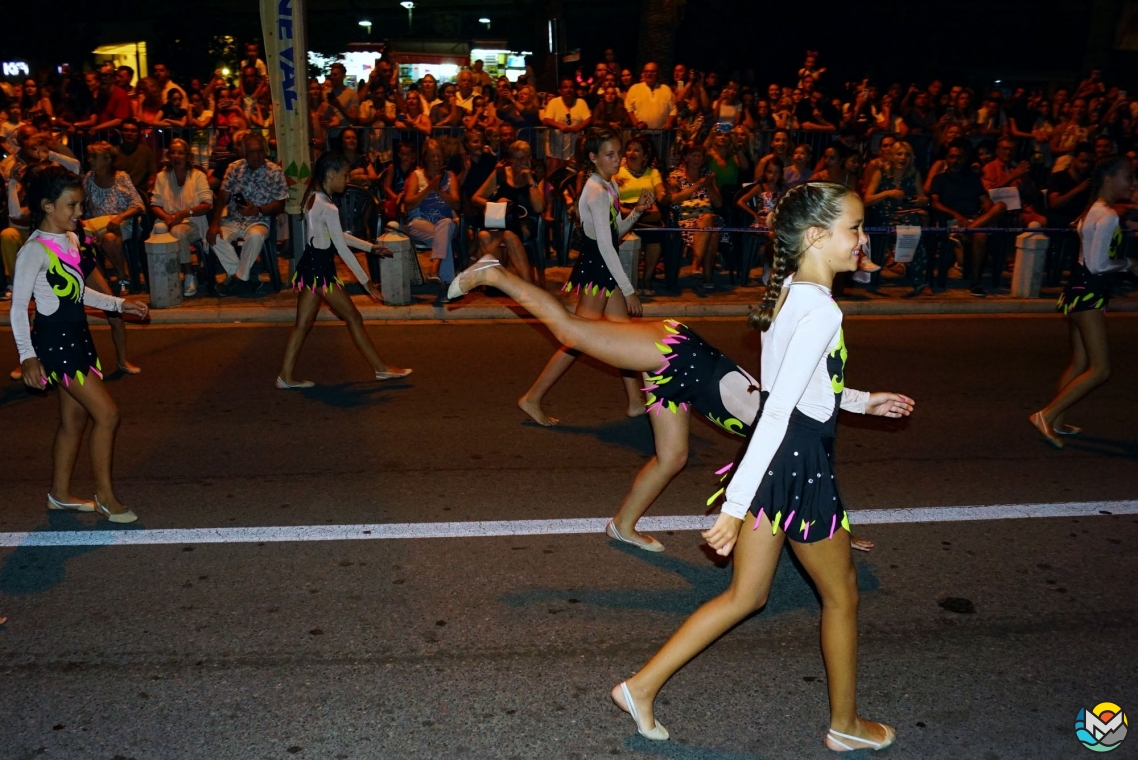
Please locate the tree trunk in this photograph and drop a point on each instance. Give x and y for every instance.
(659, 20)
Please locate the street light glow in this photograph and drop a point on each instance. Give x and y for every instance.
(483, 20)
(365, 23)
(407, 4)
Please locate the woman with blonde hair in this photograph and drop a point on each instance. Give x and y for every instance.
(514, 182)
(182, 200)
(898, 194)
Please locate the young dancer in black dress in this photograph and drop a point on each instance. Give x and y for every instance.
(1087, 295)
(315, 278)
(58, 348)
(784, 483)
(604, 291)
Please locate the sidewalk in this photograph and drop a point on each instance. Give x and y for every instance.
(725, 301)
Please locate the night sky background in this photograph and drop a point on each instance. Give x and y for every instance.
(969, 41)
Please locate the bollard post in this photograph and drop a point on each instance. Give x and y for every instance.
(1031, 254)
(162, 259)
(395, 272)
(630, 256)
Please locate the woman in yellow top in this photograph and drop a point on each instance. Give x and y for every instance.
(636, 174)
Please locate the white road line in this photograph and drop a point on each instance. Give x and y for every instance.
(104, 536)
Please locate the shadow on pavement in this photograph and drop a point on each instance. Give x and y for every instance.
(635, 433)
(33, 569)
(1105, 447)
(790, 590)
(17, 392)
(352, 395)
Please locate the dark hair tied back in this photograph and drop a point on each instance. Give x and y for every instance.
(45, 185)
(814, 204)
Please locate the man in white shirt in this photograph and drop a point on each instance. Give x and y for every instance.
(651, 104)
(565, 116)
(465, 95)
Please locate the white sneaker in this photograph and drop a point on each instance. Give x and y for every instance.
(190, 286)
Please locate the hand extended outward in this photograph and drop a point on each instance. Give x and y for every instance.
(136, 308)
(723, 534)
(373, 291)
(647, 198)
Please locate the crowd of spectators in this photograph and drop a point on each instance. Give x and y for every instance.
(716, 150)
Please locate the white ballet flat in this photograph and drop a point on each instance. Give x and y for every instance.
(76, 506)
(657, 733)
(455, 290)
(649, 544)
(118, 517)
(393, 375)
(872, 746)
(290, 386)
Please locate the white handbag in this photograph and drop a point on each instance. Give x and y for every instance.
(496, 215)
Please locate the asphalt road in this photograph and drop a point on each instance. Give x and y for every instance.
(506, 647)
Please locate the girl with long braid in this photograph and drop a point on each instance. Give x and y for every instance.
(605, 292)
(58, 348)
(785, 481)
(316, 279)
(1087, 295)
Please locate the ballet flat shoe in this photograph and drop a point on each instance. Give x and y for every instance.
(119, 517)
(835, 738)
(393, 375)
(76, 506)
(657, 733)
(455, 290)
(284, 386)
(649, 544)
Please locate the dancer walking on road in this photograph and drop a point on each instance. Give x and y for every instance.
(315, 278)
(785, 481)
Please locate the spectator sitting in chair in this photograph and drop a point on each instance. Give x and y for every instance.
(958, 195)
(513, 181)
(1002, 171)
(182, 199)
(431, 198)
(254, 191)
(361, 171)
(136, 158)
(111, 201)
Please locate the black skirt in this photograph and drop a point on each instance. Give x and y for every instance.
(66, 351)
(591, 273)
(692, 374)
(316, 270)
(1085, 291)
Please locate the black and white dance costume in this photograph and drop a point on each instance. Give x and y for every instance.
(316, 269)
(698, 375)
(1100, 260)
(598, 267)
(787, 470)
(50, 269)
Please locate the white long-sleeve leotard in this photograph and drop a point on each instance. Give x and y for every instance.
(805, 331)
(595, 207)
(1100, 239)
(30, 281)
(324, 229)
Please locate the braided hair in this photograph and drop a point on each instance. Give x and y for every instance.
(814, 204)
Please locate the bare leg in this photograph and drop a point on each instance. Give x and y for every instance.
(112, 247)
(68, 438)
(756, 557)
(93, 396)
(710, 248)
(616, 310)
(624, 345)
(518, 258)
(671, 433)
(651, 260)
(1091, 325)
(1077, 366)
(307, 306)
(831, 568)
(343, 308)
